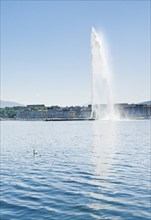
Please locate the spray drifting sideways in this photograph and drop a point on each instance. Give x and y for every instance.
(102, 94)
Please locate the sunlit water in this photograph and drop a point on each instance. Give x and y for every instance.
(83, 170)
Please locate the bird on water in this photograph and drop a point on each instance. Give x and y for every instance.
(35, 152)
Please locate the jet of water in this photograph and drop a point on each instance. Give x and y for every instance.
(102, 94)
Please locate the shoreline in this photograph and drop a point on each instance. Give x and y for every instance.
(67, 119)
(47, 119)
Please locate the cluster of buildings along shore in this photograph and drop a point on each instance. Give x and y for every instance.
(42, 112)
(55, 112)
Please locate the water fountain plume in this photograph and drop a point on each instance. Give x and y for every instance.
(102, 94)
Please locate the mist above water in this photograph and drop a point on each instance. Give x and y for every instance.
(102, 94)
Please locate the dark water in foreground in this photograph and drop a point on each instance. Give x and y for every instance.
(83, 170)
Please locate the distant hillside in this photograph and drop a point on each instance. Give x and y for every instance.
(146, 103)
(4, 104)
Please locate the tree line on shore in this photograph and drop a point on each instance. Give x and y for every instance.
(12, 112)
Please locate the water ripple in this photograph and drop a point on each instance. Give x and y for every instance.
(75, 177)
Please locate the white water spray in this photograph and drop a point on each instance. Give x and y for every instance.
(102, 94)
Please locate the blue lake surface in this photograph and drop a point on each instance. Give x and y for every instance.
(83, 170)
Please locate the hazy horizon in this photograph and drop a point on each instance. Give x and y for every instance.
(5, 103)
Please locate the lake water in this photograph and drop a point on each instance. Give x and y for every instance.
(84, 170)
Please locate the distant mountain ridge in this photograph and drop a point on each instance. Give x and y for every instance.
(4, 104)
(146, 103)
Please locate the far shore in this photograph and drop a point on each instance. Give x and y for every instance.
(47, 119)
(66, 119)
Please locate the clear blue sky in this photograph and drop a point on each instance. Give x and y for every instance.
(45, 50)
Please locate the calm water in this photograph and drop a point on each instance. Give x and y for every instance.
(83, 170)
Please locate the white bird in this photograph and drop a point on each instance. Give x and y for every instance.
(35, 152)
